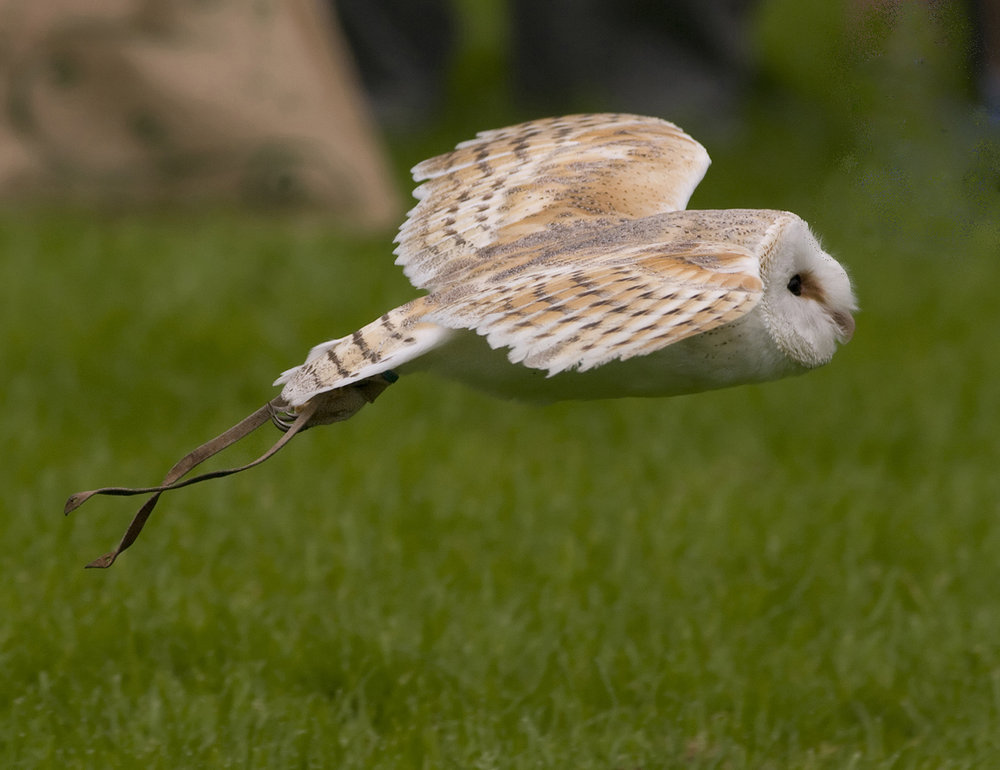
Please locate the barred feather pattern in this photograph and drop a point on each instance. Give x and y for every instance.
(394, 338)
(512, 182)
(616, 292)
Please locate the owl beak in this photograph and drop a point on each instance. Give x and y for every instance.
(845, 326)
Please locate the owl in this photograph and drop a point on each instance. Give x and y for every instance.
(558, 261)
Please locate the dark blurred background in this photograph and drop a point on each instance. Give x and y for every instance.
(684, 58)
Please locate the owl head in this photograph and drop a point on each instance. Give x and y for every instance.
(808, 301)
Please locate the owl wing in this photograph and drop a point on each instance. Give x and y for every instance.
(571, 297)
(512, 182)
(610, 295)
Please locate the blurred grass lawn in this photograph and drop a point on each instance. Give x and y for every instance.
(802, 574)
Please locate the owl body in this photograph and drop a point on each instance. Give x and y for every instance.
(737, 354)
(742, 351)
(560, 263)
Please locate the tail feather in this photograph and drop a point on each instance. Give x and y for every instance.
(393, 339)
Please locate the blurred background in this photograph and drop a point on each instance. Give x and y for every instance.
(313, 103)
(194, 192)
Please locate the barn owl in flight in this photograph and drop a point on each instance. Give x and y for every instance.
(559, 262)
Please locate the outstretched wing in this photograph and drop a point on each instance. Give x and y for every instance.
(615, 293)
(512, 182)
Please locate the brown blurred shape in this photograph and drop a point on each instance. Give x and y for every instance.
(156, 101)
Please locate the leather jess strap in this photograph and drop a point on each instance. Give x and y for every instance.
(324, 408)
(271, 411)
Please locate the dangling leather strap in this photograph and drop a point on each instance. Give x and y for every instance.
(271, 411)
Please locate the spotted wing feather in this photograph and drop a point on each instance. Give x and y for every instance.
(509, 183)
(608, 299)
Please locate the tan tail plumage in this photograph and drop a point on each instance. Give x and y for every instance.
(399, 336)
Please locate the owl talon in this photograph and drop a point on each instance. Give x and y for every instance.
(283, 418)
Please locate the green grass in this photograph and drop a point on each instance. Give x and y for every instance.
(801, 574)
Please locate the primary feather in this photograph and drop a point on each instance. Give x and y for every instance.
(509, 183)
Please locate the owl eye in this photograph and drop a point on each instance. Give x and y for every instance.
(795, 285)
